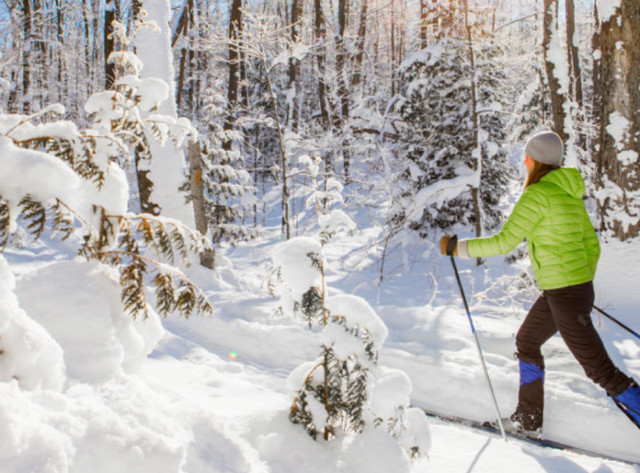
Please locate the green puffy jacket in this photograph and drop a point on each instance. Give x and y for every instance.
(551, 215)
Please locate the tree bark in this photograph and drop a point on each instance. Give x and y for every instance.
(343, 93)
(424, 9)
(207, 259)
(550, 27)
(393, 48)
(235, 33)
(360, 42)
(109, 44)
(573, 55)
(321, 36)
(617, 82)
(26, 56)
(60, 46)
(286, 213)
(294, 64)
(575, 72)
(184, 25)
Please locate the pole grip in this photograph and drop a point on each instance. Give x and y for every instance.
(451, 246)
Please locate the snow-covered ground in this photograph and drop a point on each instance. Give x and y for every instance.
(98, 392)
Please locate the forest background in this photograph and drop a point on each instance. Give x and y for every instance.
(414, 93)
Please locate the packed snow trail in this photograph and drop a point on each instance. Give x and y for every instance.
(492, 430)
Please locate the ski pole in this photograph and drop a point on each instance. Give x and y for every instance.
(613, 319)
(450, 247)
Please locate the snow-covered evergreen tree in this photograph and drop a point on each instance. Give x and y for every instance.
(58, 177)
(344, 391)
(229, 187)
(439, 132)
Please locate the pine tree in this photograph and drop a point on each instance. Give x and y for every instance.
(229, 188)
(142, 248)
(438, 129)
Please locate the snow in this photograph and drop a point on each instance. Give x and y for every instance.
(606, 9)
(97, 391)
(31, 355)
(42, 176)
(619, 128)
(297, 269)
(95, 347)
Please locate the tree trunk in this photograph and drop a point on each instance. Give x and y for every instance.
(168, 164)
(596, 99)
(475, 190)
(617, 78)
(109, 44)
(184, 24)
(573, 55)
(343, 92)
(235, 33)
(60, 46)
(321, 36)
(294, 64)
(575, 72)
(362, 36)
(207, 259)
(393, 48)
(423, 23)
(286, 213)
(26, 56)
(550, 28)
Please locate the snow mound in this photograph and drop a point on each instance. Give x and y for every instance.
(29, 353)
(98, 339)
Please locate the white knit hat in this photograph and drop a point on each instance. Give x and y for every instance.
(545, 147)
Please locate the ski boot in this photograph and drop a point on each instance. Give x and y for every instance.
(629, 402)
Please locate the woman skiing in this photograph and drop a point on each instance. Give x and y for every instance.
(563, 250)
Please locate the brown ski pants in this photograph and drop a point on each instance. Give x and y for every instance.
(566, 310)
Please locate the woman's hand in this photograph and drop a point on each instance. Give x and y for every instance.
(449, 245)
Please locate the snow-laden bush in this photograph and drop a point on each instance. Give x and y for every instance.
(344, 391)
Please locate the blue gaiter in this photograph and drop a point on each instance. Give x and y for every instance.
(530, 372)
